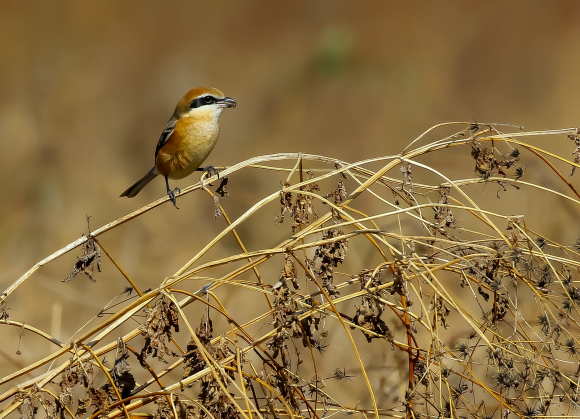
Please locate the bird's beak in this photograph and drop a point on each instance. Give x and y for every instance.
(226, 102)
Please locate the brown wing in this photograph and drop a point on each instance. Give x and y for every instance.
(169, 128)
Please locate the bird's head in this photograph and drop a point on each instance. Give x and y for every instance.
(203, 101)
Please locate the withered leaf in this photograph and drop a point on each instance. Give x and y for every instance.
(157, 330)
(369, 317)
(484, 294)
(193, 359)
(285, 204)
(164, 410)
(83, 406)
(29, 406)
(407, 177)
(217, 210)
(284, 384)
(221, 189)
(576, 153)
(289, 272)
(443, 214)
(442, 311)
(216, 402)
(70, 379)
(339, 194)
(185, 410)
(4, 312)
(485, 160)
(331, 254)
(85, 263)
(126, 384)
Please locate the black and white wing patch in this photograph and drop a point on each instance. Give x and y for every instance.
(165, 135)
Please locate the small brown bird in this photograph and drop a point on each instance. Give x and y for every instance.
(189, 136)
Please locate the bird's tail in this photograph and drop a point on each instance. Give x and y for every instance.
(140, 184)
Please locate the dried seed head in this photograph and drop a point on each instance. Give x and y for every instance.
(463, 350)
(340, 375)
(544, 322)
(570, 347)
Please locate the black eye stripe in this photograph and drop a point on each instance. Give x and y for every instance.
(201, 101)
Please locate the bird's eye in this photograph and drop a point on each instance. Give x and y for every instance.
(201, 101)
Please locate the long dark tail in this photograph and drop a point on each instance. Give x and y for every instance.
(140, 184)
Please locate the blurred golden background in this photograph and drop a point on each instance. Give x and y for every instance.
(87, 87)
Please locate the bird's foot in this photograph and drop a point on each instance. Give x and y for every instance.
(172, 197)
(209, 170)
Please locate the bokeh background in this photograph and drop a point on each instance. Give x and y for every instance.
(87, 87)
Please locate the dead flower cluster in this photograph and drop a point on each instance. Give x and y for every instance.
(330, 255)
(157, 330)
(482, 324)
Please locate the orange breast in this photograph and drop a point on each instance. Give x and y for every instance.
(187, 147)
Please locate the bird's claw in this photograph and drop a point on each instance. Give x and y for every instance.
(210, 169)
(172, 197)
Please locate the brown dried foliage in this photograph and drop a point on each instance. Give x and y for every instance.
(444, 215)
(368, 314)
(301, 209)
(85, 263)
(215, 401)
(486, 162)
(331, 254)
(193, 359)
(289, 272)
(157, 330)
(482, 321)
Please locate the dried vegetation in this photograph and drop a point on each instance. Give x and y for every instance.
(484, 309)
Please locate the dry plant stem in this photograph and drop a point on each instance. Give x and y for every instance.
(170, 397)
(284, 247)
(108, 325)
(116, 319)
(217, 309)
(313, 366)
(448, 298)
(537, 153)
(239, 371)
(155, 377)
(109, 378)
(149, 397)
(473, 204)
(56, 398)
(237, 237)
(112, 345)
(544, 256)
(34, 330)
(339, 316)
(274, 157)
(29, 368)
(212, 363)
(445, 257)
(407, 324)
(133, 285)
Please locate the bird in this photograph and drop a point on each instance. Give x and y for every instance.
(189, 136)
